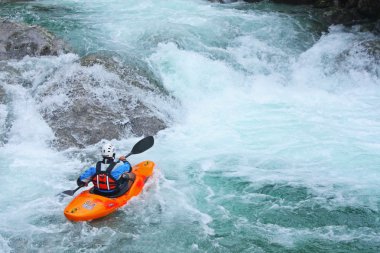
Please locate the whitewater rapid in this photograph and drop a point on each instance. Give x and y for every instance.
(274, 144)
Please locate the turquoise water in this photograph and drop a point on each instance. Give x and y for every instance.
(274, 146)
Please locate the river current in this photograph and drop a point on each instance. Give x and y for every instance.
(274, 145)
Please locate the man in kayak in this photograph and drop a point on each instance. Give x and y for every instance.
(108, 176)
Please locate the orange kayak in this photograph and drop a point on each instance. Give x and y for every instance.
(88, 206)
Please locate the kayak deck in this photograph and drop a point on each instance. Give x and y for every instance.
(88, 206)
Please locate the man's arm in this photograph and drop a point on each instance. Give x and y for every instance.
(86, 176)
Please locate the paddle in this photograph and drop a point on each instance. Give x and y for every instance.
(141, 146)
(71, 192)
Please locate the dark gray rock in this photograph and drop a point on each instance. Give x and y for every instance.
(133, 72)
(323, 3)
(342, 16)
(376, 29)
(369, 8)
(97, 107)
(368, 50)
(18, 40)
(372, 48)
(103, 98)
(294, 1)
(223, 1)
(348, 3)
(346, 12)
(232, 1)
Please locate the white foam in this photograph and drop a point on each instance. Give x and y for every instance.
(254, 106)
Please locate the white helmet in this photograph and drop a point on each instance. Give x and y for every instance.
(108, 150)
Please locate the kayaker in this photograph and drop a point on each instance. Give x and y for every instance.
(108, 176)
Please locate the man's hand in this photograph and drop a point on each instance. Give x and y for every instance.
(81, 183)
(122, 158)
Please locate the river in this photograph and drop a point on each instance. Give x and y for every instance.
(273, 147)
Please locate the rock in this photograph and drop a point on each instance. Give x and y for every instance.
(232, 1)
(294, 1)
(348, 3)
(368, 50)
(133, 72)
(336, 16)
(346, 12)
(376, 29)
(372, 48)
(323, 3)
(369, 8)
(18, 40)
(99, 104)
(101, 97)
(223, 1)
(110, 105)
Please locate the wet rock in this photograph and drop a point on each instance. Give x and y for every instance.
(133, 72)
(323, 3)
(101, 98)
(232, 1)
(368, 50)
(336, 16)
(223, 1)
(294, 1)
(347, 3)
(99, 104)
(369, 8)
(18, 40)
(343, 11)
(372, 48)
(377, 27)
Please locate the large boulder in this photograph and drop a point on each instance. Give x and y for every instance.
(134, 71)
(102, 100)
(86, 100)
(18, 40)
(368, 50)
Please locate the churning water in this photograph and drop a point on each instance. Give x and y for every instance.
(274, 146)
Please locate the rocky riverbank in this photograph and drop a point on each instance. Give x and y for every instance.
(86, 116)
(346, 12)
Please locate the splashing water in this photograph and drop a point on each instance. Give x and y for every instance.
(275, 147)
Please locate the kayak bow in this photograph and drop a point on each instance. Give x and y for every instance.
(88, 206)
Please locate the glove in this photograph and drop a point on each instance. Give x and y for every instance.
(81, 183)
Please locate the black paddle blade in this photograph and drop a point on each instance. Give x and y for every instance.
(64, 194)
(68, 192)
(142, 145)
